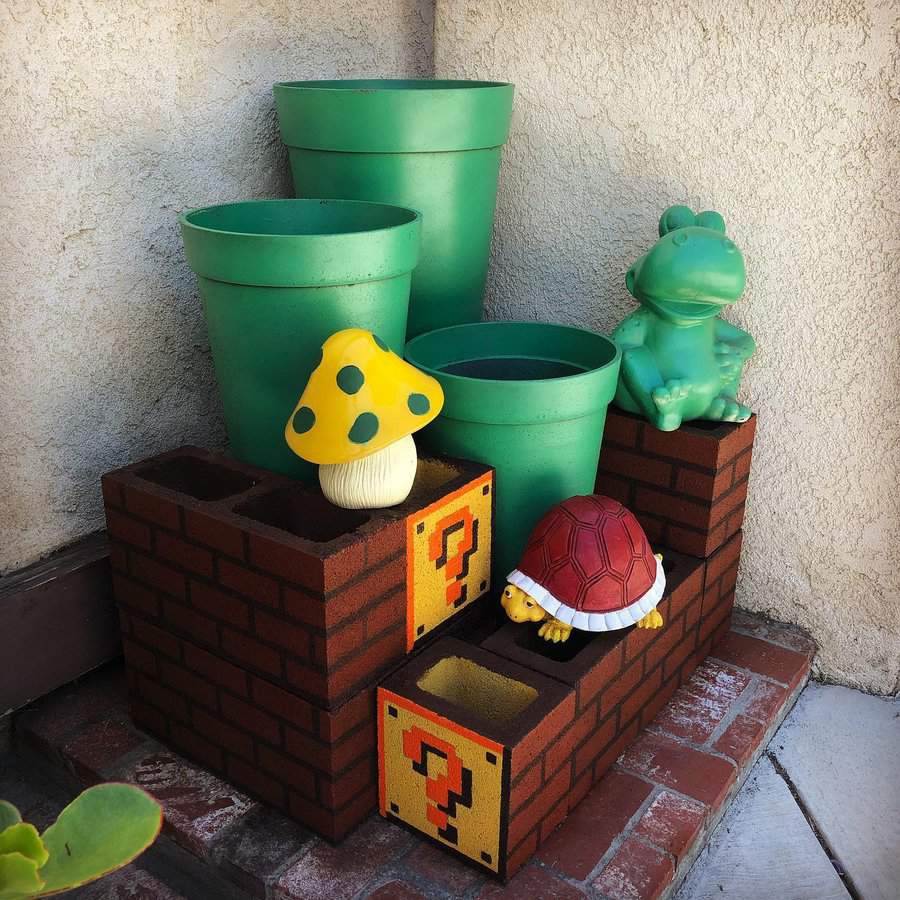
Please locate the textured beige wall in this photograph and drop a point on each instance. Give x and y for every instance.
(116, 116)
(785, 118)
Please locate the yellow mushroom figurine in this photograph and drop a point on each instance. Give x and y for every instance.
(356, 418)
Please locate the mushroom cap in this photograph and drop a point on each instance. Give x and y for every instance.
(360, 398)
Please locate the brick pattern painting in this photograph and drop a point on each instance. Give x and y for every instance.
(687, 487)
(277, 581)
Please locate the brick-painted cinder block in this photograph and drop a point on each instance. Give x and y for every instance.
(687, 487)
(718, 590)
(467, 753)
(263, 572)
(316, 765)
(620, 678)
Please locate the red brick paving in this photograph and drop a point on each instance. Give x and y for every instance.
(701, 776)
(765, 699)
(671, 822)
(636, 871)
(534, 883)
(633, 834)
(696, 709)
(396, 890)
(339, 873)
(198, 805)
(760, 656)
(577, 847)
(741, 738)
(431, 863)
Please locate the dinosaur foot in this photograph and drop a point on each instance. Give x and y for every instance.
(724, 409)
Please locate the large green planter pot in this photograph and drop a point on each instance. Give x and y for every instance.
(529, 399)
(430, 145)
(277, 277)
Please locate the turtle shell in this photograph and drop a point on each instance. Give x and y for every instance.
(589, 564)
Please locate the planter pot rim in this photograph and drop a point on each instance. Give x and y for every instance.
(406, 215)
(370, 85)
(417, 115)
(526, 400)
(342, 242)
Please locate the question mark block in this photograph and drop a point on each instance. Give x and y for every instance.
(448, 555)
(462, 733)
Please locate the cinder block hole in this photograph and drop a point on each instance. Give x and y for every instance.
(302, 512)
(198, 478)
(431, 476)
(513, 368)
(529, 639)
(479, 691)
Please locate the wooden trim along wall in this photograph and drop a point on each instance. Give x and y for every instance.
(57, 621)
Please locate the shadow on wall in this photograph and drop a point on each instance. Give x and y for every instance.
(565, 260)
(129, 116)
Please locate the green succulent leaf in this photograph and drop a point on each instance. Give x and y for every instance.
(101, 830)
(9, 815)
(18, 877)
(23, 838)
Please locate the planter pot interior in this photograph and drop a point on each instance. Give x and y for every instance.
(529, 399)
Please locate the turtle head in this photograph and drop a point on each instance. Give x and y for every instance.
(521, 607)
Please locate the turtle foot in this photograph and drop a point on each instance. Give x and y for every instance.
(652, 620)
(555, 631)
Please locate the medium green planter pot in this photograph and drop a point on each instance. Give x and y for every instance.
(277, 277)
(529, 399)
(430, 145)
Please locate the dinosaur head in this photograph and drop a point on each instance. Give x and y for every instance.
(692, 271)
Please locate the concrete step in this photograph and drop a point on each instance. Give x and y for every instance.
(636, 833)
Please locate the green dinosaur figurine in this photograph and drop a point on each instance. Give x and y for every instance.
(680, 361)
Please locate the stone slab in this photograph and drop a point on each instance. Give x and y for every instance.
(763, 847)
(839, 748)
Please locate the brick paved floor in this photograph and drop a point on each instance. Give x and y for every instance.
(635, 835)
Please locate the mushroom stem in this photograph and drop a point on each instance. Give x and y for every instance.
(381, 479)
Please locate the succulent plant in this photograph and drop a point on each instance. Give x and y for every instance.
(101, 830)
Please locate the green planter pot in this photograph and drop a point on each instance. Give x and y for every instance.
(529, 399)
(430, 145)
(277, 277)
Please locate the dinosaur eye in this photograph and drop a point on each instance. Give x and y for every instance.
(529, 604)
(507, 593)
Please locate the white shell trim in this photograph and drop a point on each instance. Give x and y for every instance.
(611, 621)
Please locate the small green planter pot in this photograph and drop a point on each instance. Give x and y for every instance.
(529, 399)
(278, 277)
(430, 145)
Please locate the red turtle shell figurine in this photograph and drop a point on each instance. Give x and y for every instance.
(587, 565)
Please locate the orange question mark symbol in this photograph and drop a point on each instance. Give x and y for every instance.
(444, 791)
(455, 564)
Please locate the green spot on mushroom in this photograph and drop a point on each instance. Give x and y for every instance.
(418, 404)
(350, 379)
(364, 428)
(304, 419)
(380, 342)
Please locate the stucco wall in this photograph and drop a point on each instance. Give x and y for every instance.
(785, 118)
(118, 115)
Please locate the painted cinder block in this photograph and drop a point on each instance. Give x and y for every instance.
(458, 728)
(263, 572)
(316, 765)
(718, 590)
(620, 677)
(687, 487)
